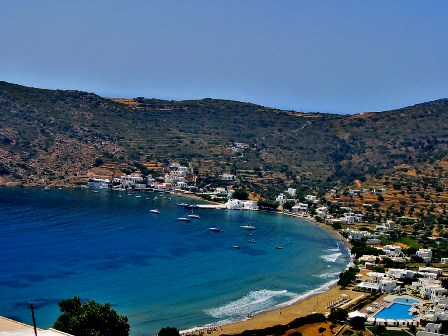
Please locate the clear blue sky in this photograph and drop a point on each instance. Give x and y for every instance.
(326, 56)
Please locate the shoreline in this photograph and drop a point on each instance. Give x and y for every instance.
(315, 300)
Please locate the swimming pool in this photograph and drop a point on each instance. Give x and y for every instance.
(396, 311)
(406, 301)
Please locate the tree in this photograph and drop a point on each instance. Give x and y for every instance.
(288, 205)
(357, 323)
(90, 319)
(168, 331)
(240, 194)
(337, 315)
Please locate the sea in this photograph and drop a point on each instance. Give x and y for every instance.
(107, 246)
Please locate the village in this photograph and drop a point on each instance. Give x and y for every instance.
(395, 261)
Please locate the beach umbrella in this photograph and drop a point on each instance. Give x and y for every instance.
(370, 309)
(356, 313)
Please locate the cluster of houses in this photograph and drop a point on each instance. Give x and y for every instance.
(178, 177)
(359, 192)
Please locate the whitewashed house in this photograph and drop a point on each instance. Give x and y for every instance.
(357, 235)
(311, 198)
(300, 207)
(392, 250)
(425, 254)
(250, 205)
(220, 191)
(322, 212)
(292, 192)
(234, 204)
(281, 199)
(96, 182)
(227, 177)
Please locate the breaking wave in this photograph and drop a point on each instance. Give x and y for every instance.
(329, 275)
(251, 303)
(331, 257)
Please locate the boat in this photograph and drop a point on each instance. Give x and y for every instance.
(215, 229)
(236, 246)
(248, 227)
(138, 196)
(194, 216)
(184, 219)
(156, 211)
(182, 204)
(191, 206)
(279, 247)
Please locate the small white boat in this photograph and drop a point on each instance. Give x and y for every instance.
(194, 216)
(184, 219)
(138, 196)
(215, 229)
(248, 227)
(156, 211)
(236, 246)
(279, 247)
(182, 204)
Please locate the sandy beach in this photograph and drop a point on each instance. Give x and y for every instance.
(315, 303)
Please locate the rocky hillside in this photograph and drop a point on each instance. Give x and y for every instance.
(62, 137)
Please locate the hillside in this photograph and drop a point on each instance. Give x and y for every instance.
(62, 137)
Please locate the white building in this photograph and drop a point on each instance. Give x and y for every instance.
(321, 212)
(400, 273)
(357, 235)
(220, 191)
(227, 177)
(292, 192)
(300, 207)
(425, 254)
(96, 182)
(182, 185)
(311, 198)
(379, 282)
(132, 179)
(234, 204)
(250, 205)
(392, 250)
(281, 199)
(429, 288)
(433, 270)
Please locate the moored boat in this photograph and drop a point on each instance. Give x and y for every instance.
(184, 219)
(155, 211)
(248, 227)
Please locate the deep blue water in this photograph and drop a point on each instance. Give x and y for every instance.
(152, 268)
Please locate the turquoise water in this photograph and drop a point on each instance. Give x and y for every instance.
(396, 311)
(406, 301)
(152, 268)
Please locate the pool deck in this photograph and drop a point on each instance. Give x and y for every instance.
(385, 301)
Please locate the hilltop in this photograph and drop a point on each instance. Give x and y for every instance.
(61, 137)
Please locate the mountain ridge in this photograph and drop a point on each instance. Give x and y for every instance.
(60, 136)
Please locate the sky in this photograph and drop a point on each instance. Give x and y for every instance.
(311, 56)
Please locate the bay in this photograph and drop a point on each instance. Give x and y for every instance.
(106, 245)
